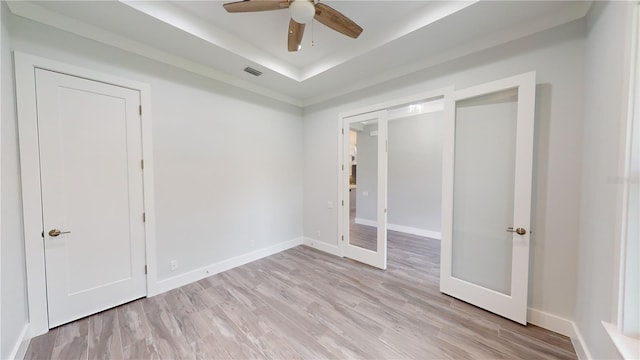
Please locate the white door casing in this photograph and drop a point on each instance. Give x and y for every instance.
(510, 302)
(25, 70)
(91, 180)
(377, 258)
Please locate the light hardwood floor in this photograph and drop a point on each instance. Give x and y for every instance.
(304, 304)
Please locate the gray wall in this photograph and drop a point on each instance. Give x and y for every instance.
(415, 171)
(13, 282)
(223, 157)
(603, 128)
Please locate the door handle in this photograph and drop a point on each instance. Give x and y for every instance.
(519, 231)
(56, 232)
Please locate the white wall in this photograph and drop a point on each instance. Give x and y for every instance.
(12, 272)
(606, 84)
(558, 57)
(228, 163)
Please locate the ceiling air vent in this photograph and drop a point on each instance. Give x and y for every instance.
(253, 71)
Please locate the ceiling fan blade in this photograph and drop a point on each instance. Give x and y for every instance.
(296, 30)
(332, 18)
(255, 5)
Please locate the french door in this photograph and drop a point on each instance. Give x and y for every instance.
(486, 202)
(365, 182)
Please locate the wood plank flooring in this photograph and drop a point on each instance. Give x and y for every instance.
(304, 304)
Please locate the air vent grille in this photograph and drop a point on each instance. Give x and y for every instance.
(253, 71)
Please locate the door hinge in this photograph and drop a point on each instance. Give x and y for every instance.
(144, 217)
(142, 164)
(342, 167)
(140, 109)
(342, 131)
(342, 202)
(145, 269)
(342, 237)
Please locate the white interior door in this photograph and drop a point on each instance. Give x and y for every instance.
(486, 202)
(365, 188)
(92, 200)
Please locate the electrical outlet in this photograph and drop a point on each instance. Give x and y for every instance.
(318, 234)
(173, 265)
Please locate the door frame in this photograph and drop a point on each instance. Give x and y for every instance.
(25, 65)
(342, 226)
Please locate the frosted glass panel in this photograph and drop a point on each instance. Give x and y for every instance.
(363, 202)
(485, 131)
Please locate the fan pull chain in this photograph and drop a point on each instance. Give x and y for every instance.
(313, 42)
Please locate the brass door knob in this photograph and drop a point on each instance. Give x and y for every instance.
(519, 231)
(56, 232)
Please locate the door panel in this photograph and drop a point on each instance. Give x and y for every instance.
(365, 182)
(90, 151)
(487, 171)
(484, 176)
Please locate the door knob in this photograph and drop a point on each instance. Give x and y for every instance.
(56, 232)
(519, 231)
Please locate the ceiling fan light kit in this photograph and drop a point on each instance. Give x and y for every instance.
(301, 12)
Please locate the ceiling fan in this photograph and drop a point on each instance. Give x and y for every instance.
(302, 12)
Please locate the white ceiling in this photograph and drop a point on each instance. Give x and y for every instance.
(399, 37)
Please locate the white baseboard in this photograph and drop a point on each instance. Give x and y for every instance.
(561, 326)
(366, 222)
(415, 231)
(322, 246)
(551, 322)
(404, 229)
(206, 271)
(580, 345)
(22, 344)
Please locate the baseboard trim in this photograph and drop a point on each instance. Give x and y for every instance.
(366, 222)
(561, 326)
(404, 229)
(322, 246)
(209, 270)
(415, 231)
(550, 322)
(22, 344)
(579, 344)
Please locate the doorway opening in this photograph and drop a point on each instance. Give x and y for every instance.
(393, 171)
(486, 182)
(414, 154)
